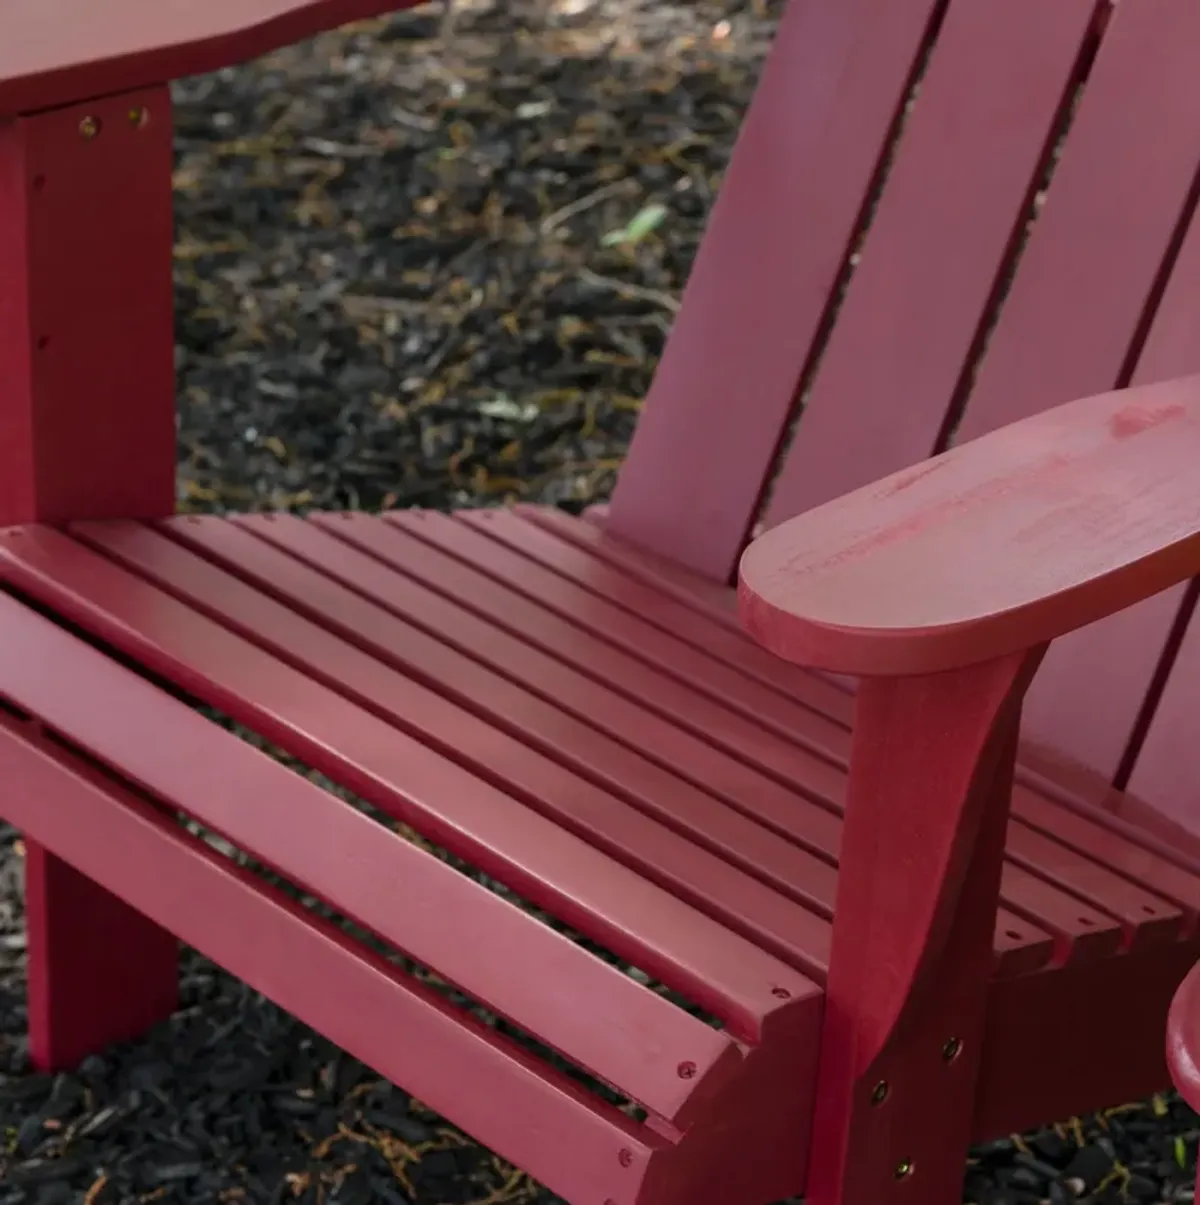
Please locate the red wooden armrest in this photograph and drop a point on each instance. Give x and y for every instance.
(55, 52)
(1002, 544)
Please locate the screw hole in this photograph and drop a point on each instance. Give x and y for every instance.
(904, 1169)
(1012, 934)
(880, 1092)
(43, 342)
(89, 127)
(1148, 910)
(952, 1049)
(139, 117)
(781, 993)
(1083, 920)
(687, 1070)
(624, 1157)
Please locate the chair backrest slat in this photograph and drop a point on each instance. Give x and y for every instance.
(952, 208)
(1165, 770)
(1088, 286)
(778, 237)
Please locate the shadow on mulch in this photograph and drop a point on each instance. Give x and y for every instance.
(427, 260)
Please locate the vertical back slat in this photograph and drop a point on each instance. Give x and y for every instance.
(779, 234)
(966, 167)
(1086, 288)
(1166, 772)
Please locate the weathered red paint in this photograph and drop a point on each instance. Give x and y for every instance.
(862, 891)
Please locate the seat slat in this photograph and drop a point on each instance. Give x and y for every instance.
(1071, 325)
(466, 537)
(404, 894)
(542, 861)
(809, 145)
(1019, 945)
(690, 757)
(614, 570)
(706, 881)
(965, 168)
(1134, 862)
(528, 559)
(1082, 931)
(423, 551)
(1147, 919)
(1044, 902)
(388, 641)
(525, 1110)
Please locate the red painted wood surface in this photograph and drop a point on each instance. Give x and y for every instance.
(789, 869)
(929, 789)
(86, 432)
(1003, 543)
(1080, 931)
(391, 887)
(810, 145)
(360, 709)
(372, 1009)
(81, 282)
(1074, 319)
(1090, 909)
(954, 202)
(56, 52)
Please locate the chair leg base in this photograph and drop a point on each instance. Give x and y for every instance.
(99, 971)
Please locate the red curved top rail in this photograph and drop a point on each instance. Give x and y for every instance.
(55, 52)
(1001, 544)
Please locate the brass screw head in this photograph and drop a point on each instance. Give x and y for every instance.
(89, 127)
(880, 1092)
(139, 117)
(904, 1169)
(952, 1049)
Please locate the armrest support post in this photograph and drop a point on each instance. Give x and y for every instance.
(930, 784)
(87, 372)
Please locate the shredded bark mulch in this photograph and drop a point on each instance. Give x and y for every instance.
(428, 260)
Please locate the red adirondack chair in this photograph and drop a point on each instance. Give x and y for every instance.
(941, 221)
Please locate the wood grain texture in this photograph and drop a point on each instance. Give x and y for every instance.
(57, 52)
(1003, 543)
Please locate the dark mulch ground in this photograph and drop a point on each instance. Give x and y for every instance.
(427, 260)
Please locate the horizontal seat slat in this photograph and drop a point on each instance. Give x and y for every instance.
(614, 669)
(674, 748)
(1083, 931)
(1027, 949)
(361, 595)
(477, 539)
(525, 1110)
(390, 886)
(803, 821)
(548, 865)
(800, 934)
(1146, 917)
(714, 606)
